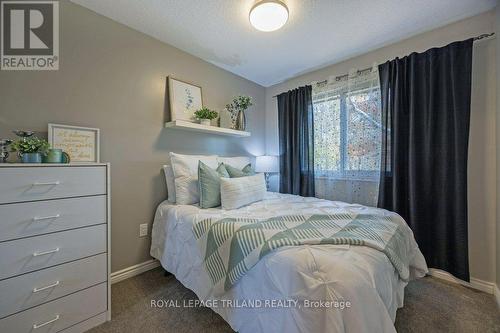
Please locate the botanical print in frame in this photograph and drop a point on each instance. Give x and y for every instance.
(185, 98)
(80, 143)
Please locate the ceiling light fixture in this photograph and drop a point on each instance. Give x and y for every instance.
(268, 15)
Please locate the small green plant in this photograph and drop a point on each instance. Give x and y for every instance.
(240, 103)
(205, 113)
(31, 145)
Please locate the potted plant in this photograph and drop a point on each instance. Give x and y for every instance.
(237, 109)
(31, 149)
(205, 115)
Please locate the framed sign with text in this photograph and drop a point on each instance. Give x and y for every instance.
(80, 143)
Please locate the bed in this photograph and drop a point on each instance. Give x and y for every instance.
(305, 279)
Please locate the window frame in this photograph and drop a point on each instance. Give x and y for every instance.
(343, 174)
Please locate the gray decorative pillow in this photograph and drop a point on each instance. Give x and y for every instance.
(236, 173)
(209, 184)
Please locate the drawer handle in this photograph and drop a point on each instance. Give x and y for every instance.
(35, 290)
(37, 254)
(41, 218)
(35, 326)
(47, 183)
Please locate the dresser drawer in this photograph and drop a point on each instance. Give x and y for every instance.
(19, 184)
(33, 253)
(28, 290)
(59, 314)
(86, 325)
(40, 217)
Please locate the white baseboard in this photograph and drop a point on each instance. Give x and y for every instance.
(131, 271)
(497, 295)
(478, 284)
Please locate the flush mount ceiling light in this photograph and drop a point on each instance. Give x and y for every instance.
(268, 15)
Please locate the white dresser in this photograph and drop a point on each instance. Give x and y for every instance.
(54, 247)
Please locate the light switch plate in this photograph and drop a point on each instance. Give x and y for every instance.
(143, 230)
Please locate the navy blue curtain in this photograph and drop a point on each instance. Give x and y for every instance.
(296, 138)
(425, 111)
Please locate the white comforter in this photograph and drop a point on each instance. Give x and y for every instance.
(357, 274)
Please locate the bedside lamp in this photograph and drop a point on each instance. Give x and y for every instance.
(267, 164)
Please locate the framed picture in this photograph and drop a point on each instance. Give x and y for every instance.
(80, 143)
(184, 99)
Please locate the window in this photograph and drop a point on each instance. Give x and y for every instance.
(347, 134)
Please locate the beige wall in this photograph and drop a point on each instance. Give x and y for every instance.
(482, 163)
(497, 29)
(482, 151)
(113, 78)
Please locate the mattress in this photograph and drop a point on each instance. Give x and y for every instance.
(314, 288)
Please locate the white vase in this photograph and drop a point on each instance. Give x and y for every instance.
(225, 119)
(205, 122)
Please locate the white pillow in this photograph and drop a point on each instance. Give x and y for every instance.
(169, 177)
(185, 169)
(186, 190)
(187, 165)
(238, 162)
(238, 192)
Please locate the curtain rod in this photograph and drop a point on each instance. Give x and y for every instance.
(337, 78)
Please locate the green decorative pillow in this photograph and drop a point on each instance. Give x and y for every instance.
(236, 173)
(209, 184)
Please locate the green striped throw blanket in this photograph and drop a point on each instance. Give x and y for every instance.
(234, 245)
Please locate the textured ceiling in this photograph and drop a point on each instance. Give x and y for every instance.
(318, 32)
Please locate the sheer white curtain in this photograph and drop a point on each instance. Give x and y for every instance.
(347, 137)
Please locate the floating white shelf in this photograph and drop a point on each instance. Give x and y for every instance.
(189, 126)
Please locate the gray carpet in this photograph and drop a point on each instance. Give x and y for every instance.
(431, 305)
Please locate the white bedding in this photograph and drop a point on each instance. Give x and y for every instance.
(357, 274)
